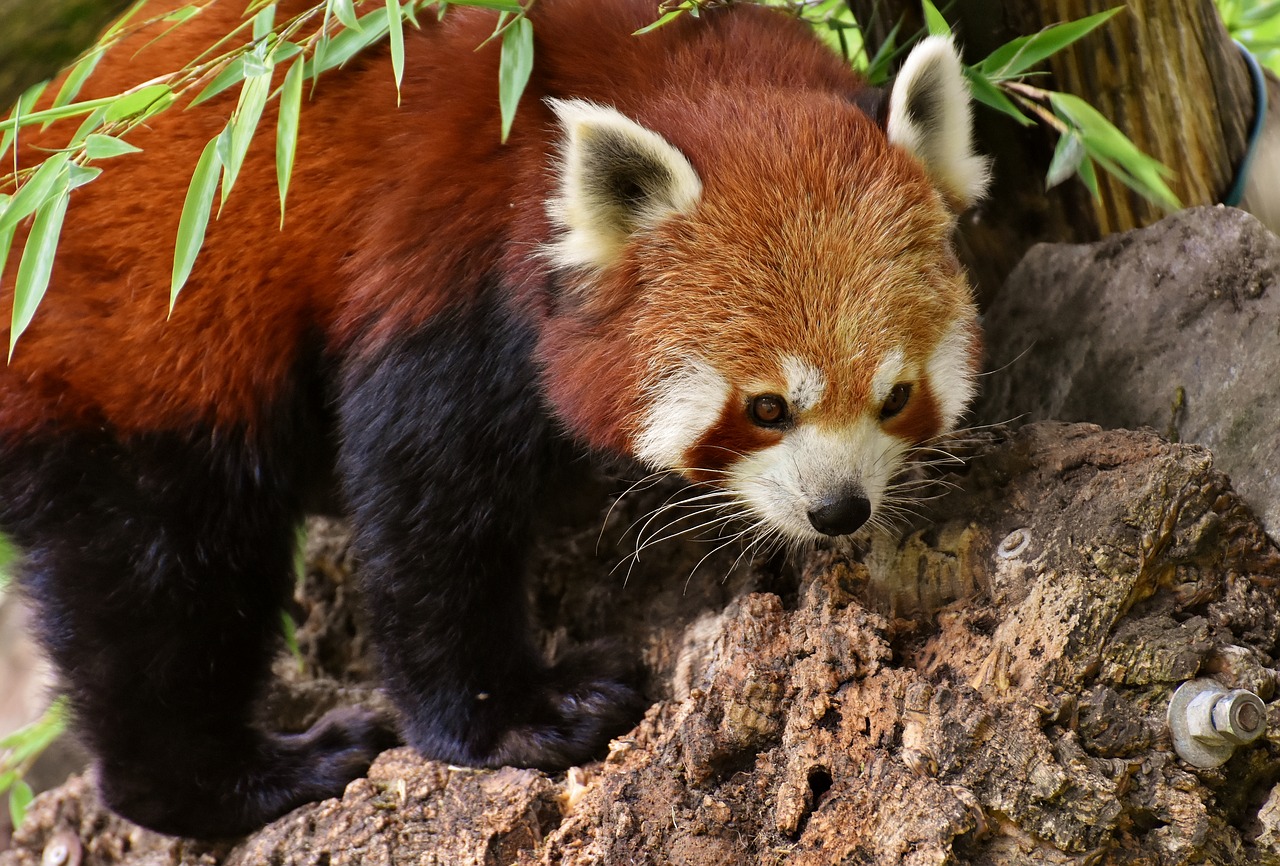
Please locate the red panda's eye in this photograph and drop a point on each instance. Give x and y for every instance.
(896, 401)
(769, 410)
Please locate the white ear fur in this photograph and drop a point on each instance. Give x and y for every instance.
(616, 178)
(930, 115)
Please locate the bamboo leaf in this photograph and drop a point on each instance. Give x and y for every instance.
(141, 103)
(345, 11)
(348, 43)
(661, 22)
(514, 69)
(287, 130)
(19, 117)
(395, 25)
(45, 115)
(195, 217)
(514, 6)
(231, 74)
(79, 175)
(92, 122)
(988, 94)
(36, 191)
(20, 797)
(1114, 151)
(264, 22)
(1067, 156)
(77, 77)
(1089, 178)
(1018, 55)
(6, 241)
(243, 122)
(933, 20)
(37, 259)
(98, 146)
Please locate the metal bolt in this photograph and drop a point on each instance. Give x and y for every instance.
(1208, 722)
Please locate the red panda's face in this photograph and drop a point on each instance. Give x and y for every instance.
(781, 275)
(802, 338)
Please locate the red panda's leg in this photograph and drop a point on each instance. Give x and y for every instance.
(446, 456)
(158, 567)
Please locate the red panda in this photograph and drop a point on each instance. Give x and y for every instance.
(711, 248)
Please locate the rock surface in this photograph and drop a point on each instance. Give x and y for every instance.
(1174, 327)
(989, 688)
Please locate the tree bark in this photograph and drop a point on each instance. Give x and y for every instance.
(995, 694)
(1164, 71)
(40, 37)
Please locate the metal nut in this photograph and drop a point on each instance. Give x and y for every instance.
(1208, 722)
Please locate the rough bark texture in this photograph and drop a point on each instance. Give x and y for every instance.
(979, 700)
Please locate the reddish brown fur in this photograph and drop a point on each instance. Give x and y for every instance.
(398, 212)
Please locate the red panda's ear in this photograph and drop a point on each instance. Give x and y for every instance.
(616, 178)
(931, 117)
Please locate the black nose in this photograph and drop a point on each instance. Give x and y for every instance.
(840, 514)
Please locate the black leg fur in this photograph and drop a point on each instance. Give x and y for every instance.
(445, 457)
(158, 567)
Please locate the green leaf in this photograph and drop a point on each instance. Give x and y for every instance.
(195, 217)
(933, 20)
(290, 629)
(1114, 151)
(231, 74)
(6, 235)
(177, 16)
(48, 114)
(99, 146)
(264, 22)
(92, 122)
(500, 5)
(36, 191)
(82, 174)
(345, 11)
(348, 43)
(878, 66)
(37, 258)
(1261, 13)
(287, 130)
(664, 20)
(1089, 178)
(395, 25)
(1067, 156)
(20, 797)
(77, 77)
(1018, 55)
(235, 140)
(141, 103)
(19, 117)
(988, 94)
(514, 69)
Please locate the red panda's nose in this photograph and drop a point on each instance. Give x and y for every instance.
(840, 514)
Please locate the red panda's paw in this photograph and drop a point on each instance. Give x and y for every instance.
(338, 748)
(228, 788)
(582, 702)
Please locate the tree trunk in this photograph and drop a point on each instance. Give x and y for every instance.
(1164, 71)
(39, 38)
(990, 689)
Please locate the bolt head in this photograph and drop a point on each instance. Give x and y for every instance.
(1240, 717)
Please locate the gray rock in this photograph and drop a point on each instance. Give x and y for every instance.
(1175, 327)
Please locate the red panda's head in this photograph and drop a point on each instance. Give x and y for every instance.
(767, 298)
